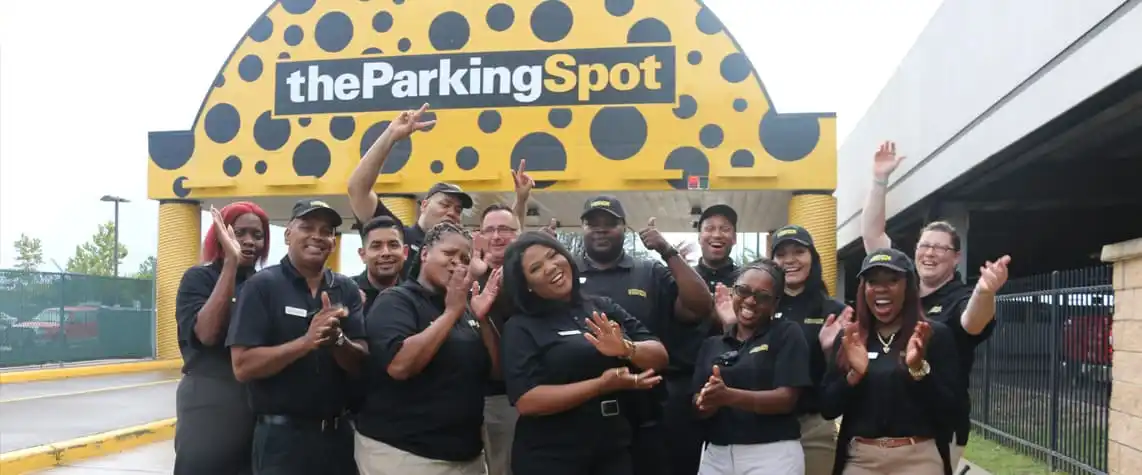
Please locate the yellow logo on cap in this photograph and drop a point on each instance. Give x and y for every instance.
(880, 258)
(600, 204)
(786, 232)
(319, 203)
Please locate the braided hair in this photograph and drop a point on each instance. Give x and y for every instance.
(439, 231)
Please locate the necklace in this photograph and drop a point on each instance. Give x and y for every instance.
(885, 344)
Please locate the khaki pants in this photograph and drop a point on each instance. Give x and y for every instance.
(955, 452)
(919, 459)
(819, 442)
(377, 458)
(777, 458)
(499, 431)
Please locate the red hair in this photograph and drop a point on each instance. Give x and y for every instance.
(212, 250)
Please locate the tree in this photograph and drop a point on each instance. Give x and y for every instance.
(146, 269)
(97, 256)
(29, 253)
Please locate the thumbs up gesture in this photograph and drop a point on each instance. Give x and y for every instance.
(325, 326)
(653, 239)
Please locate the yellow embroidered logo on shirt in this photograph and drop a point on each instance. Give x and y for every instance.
(762, 347)
(814, 321)
(936, 309)
(637, 292)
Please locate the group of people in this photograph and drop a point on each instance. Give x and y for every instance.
(497, 351)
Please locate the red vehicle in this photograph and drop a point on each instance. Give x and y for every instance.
(75, 325)
(1088, 346)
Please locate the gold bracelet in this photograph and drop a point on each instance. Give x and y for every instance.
(631, 348)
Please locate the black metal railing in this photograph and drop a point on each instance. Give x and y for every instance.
(1041, 382)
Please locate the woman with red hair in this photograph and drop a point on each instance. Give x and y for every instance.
(215, 426)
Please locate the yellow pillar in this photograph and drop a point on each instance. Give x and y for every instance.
(333, 262)
(180, 234)
(816, 211)
(403, 207)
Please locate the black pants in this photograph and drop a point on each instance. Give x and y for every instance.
(546, 462)
(215, 427)
(648, 451)
(683, 432)
(284, 449)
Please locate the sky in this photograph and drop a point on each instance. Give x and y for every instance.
(79, 92)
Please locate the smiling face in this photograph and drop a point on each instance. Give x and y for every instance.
(248, 229)
(383, 253)
(439, 208)
(936, 256)
(310, 239)
(754, 298)
(447, 254)
(603, 235)
(797, 260)
(547, 272)
(884, 291)
(500, 229)
(716, 238)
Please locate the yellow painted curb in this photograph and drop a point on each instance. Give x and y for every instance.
(107, 443)
(31, 375)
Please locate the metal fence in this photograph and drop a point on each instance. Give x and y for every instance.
(1041, 383)
(53, 317)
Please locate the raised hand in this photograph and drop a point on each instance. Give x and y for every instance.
(481, 302)
(833, 325)
(724, 305)
(885, 161)
(653, 239)
(231, 248)
(408, 122)
(325, 326)
(606, 335)
(523, 182)
(992, 275)
(619, 379)
(551, 227)
(456, 298)
(918, 346)
(853, 348)
(478, 265)
(714, 394)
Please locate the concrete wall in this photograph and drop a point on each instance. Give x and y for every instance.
(1125, 453)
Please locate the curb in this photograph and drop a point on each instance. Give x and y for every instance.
(32, 375)
(59, 453)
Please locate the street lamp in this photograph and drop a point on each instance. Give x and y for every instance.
(116, 200)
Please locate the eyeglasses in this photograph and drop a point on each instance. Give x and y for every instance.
(745, 292)
(936, 248)
(727, 359)
(499, 230)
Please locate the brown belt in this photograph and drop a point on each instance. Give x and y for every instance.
(891, 442)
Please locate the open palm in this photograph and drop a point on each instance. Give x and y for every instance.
(885, 161)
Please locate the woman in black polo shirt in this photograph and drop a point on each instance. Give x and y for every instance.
(747, 381)
(215, 426)
(565, 355)
(892, 377)
(431, 353)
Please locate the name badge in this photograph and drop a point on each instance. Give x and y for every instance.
(872, 355)
(570, 332)
(297, 312)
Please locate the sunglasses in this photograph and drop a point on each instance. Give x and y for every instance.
(743, 291)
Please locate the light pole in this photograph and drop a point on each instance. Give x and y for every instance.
(116, 200)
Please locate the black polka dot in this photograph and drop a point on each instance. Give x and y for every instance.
(449, 31)
(740, 104)
(398, 2)
(260, 167)
(219, 80)
(304, 121)
(250, 68)
(741, 159)
(694, 57)
(270, 133)
(404, 45)
(179, 190)
(342, 127)
(437, 166)
(543, 152)
(648, 30)
(293, 35)
(372, 50)
(398, 156)
(232, 166)
(333, 31)
(559, 118)
(283, 55)
(297, 7)
(489, 121)
(425, 117)
(551, 21)
(382, 22)
(500, 17)
(618, 133)
(262, 29)
(222, 123)
(708, 22)
(619, 7)
(311, 158)
(687, 107)
(691, 161)
(467, 158)
(789, 137)
(735, 67)
(711, 136)
(170, 150)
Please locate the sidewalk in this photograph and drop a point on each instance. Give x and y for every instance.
(154, 458)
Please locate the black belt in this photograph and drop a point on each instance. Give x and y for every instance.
(316, 424)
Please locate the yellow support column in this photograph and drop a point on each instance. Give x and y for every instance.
(403, 207)
(816, 211)
(333, 262)
(180, 235)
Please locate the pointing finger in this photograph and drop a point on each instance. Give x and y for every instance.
(325, 300)
(522, 166)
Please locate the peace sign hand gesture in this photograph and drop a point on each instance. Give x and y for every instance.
(408, 122)
(724, 305)
(231, 249)
(992, 275)
(523, 182)
(885, 161)
(607, 336)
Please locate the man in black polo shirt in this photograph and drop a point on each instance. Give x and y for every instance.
(295, 337)
(654, 294)
(383, 252)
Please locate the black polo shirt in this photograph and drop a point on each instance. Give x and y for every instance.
(774, 357)
(413, 238)
(276, 307)
(437, 414)
(551, 349)
(946, 305)
(888, 402)
(726, 275)
(197, 284)
(810, 309)
(371, 291)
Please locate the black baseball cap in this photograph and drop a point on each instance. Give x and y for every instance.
(305, 208)
(451, 190)
(791, 233)
(719, 210)
(887, 258)
(606, 203)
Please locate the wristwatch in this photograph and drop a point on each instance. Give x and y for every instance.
(667, 253)
(922, 372)
(340, 339)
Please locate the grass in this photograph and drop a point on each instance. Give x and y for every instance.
(1000, 460)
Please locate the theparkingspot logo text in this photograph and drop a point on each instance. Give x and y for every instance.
(634, 75)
